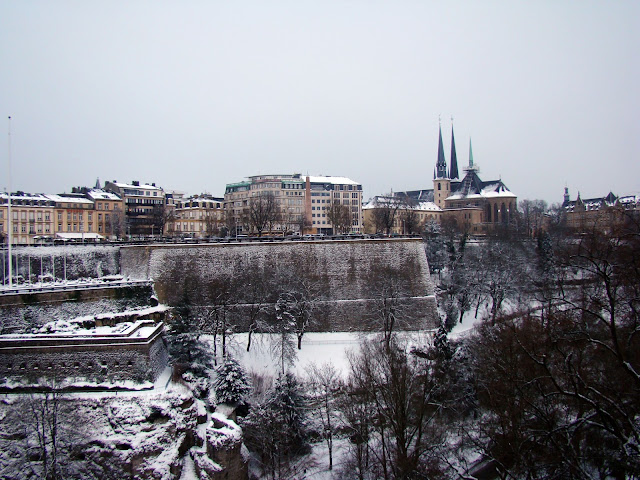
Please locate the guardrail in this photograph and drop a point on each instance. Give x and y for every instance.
(61, 287)
(239, 239)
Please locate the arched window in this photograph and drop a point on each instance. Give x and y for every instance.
(488, 213)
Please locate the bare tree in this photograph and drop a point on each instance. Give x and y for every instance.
(408, 215)
(116, 224)
(384, 213)
(47, 421)
(402, 398)
(562, 391)
(532, 216)
(340, 216)
(325, 382)
(263, 212)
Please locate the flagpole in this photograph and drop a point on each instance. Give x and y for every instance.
(9, 217)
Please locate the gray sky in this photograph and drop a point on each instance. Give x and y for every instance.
(196, 94)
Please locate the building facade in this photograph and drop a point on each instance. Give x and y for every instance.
(109, 213)
(403, 216)
(299, 204)
(32, 217)
(144, 207)
(199, 216)
(601, 213)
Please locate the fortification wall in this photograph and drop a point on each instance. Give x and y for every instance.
(26, 362)
(347, 281)
(20, 313)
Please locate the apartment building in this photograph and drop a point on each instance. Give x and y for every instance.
(73, 214)
(301, 203)
(144, 206)
(198, 216)
(32, 217)
(108, 218)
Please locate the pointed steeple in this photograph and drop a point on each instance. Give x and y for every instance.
(441, 165)
(453, 173)
(470, 155)
(98, 187)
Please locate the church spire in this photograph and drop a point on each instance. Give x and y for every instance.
(441, 165)
(470, 155)
(453, 173)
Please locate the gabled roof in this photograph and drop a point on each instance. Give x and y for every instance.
(600, 202)
(472, 186)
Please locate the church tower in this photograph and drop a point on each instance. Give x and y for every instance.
(441, 180)
(453, 172)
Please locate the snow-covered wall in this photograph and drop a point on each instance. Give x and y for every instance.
(61, 262)
(23, 313)
(348, 279)
(102, 363)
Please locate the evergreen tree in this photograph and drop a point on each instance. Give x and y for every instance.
(231, 384)
(276, 428)
(184, 343)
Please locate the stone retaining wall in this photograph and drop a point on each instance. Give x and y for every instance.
(347, 280)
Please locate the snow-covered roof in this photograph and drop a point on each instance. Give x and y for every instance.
(34, 197)
(589, 204)
(99, 194)
(78, 236)
(428, 206)
(144, 186)
(387, 201)
(494, 190)
(61, 198)
(333, 180)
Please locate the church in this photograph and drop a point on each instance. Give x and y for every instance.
(474, 205)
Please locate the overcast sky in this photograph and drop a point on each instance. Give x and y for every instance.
(193, 95)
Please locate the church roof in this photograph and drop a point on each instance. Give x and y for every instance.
(472, 186)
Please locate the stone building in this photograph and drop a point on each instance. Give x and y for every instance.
(101, 349)
(474, 205)
(600, 213)
(406, 215)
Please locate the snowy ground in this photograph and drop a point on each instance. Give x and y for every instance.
(318, 348)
